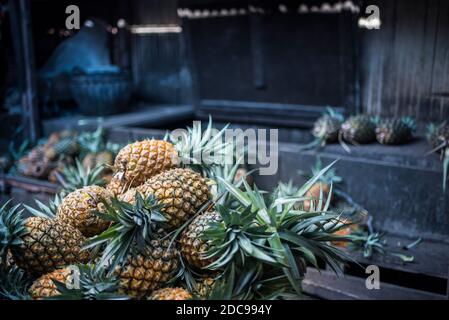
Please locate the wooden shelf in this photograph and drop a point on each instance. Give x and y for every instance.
(143, 115)
(327, 285)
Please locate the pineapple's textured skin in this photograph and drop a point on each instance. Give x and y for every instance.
(170, 294)
(91, 160)
(192, 245)
(68, 146)
(138, 161)
(47, 245)
(182, 193)
(44, 286)
(204, 286)
(359, 129)
(327, 128)
(393, 131)
(78, 210)
(148, 269)
(117, 186)
(35, 164)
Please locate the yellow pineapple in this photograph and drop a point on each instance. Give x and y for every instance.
(147, 269)
(78, 210)
(44, 286)
(40, 244)
(182, 192)
(141, 160)
(117, 186)
(170, 294)
(204, 286)
(192, 245)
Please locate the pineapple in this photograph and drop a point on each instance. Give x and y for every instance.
(95, 149)
(395, 131)
(35, 164)
(44, 286)
(182, 192)
(92, 284)
(326, 128)
(147, 269)
(65, 147)
(139, 251)
(39, 244)
(170, 294)
(359, 129)
(192, 244)
(117, 186)
(204, 286)
(141, 160)
(79, 208)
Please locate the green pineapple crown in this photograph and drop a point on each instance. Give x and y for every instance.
(77, 177)
(93, 141)
(47, 211)
(133, 225)
(236, 238)
(286, 237)
(14, 283)
(208, 144)
(410, 123)
(91, 283)
(12, 228)
(334, 114)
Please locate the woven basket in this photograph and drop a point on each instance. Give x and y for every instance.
(100, 94)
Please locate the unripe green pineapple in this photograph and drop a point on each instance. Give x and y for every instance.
(359, 129)
(395, 131)
(327, 126)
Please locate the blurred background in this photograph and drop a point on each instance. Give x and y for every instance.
(139, 67)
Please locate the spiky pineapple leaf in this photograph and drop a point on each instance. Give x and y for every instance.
(93, 283)
(12, 227)
(77, 177)
(132, 224)
(14, 283)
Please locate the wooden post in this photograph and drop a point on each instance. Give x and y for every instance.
(257, 51)
(29, 97)
(21, 24)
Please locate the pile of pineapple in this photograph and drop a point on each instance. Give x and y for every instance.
(362, 129)
(49, 159)
(169, 227)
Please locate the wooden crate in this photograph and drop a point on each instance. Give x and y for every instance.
(424, 278)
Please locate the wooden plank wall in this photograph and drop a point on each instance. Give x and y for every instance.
(158, 60)
(405, 64)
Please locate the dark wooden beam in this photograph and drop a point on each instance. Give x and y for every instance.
(29, 97)
(21, 26)
(257, 50)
